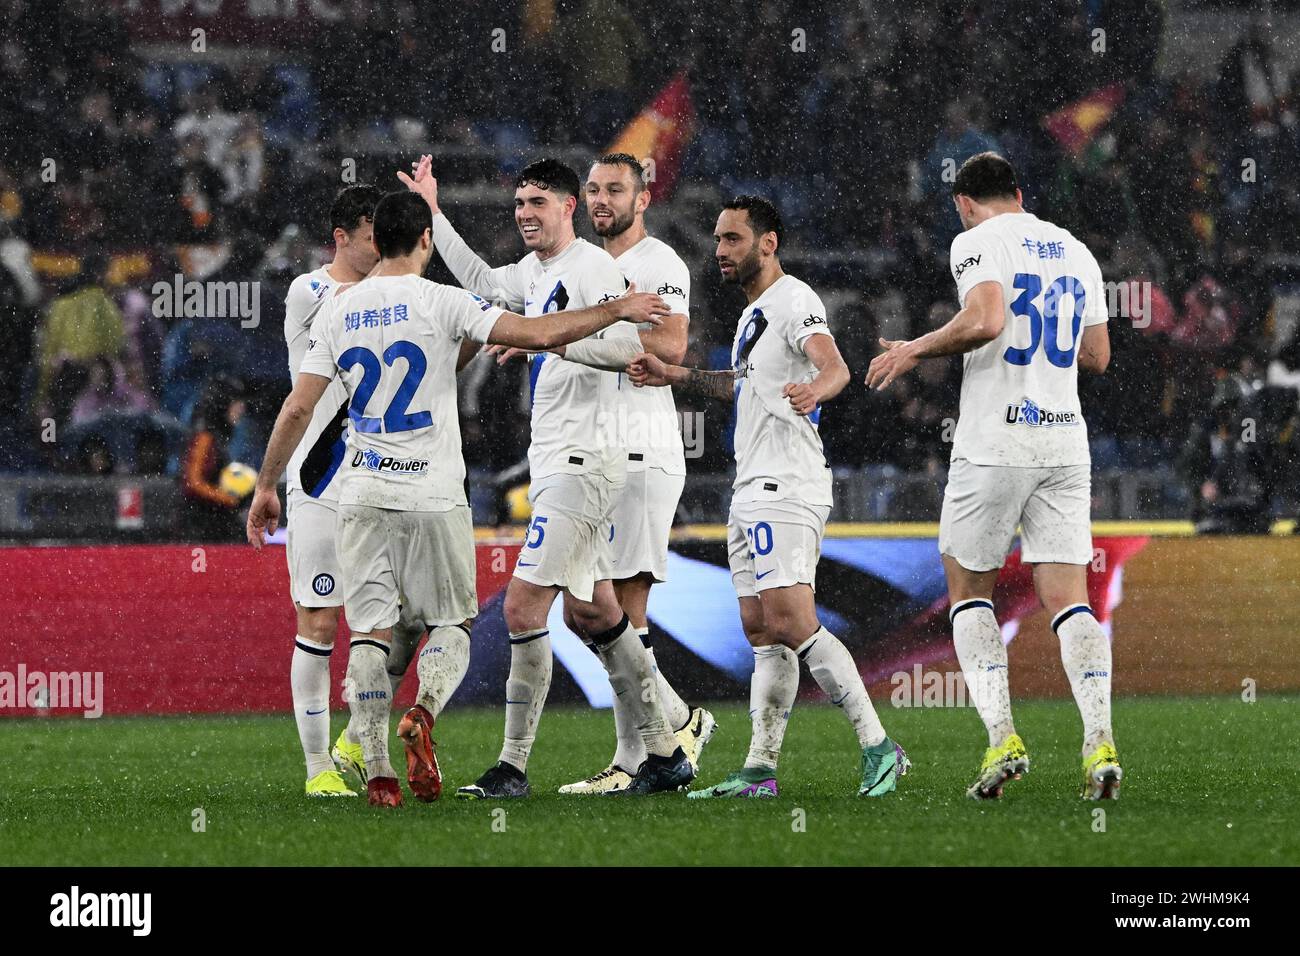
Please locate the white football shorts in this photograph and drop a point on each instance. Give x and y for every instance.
(982, 504)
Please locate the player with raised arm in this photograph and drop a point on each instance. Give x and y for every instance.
(577, 465)
(617, 196)
(312, 507)
(1033, 312)
(404, 525)
(785, 364)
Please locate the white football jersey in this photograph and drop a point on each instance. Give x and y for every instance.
(574, 430)
(394, 340)
(778, 452)
(1019, 392)
(652, 432)
(320, 452)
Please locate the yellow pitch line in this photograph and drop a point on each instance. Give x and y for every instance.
(893, 529)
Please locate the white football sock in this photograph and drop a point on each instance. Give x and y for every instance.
(1085, 652)
(983, 658)
(309, 679)
(772, 690)
(832, 666)
(442, 666)
(633, 680)
(630, 751)
(526, 687)
(372, 701)
(676, 711)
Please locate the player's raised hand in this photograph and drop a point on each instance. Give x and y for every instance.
(803, 398)
(263, 516)
(896, 360)
(646, 369)
(421, 181)
(634, 306)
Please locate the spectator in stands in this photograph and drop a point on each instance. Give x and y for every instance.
(609, 47)
(206, 118)
(1284, 370)
(960, 138)
(197, 185)
(151, 452)
(1210, 317)
(1225, 464)
(108, 389)
(208, 513)
(94, 457)
(81, 326)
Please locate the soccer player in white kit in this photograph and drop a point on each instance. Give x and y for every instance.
(1033, 313)
(404, 535)
(617, 197)
(577, 465)
(785, 364)
(315, 581)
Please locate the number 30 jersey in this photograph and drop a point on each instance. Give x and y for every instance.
(1019, 392)
(394, 340)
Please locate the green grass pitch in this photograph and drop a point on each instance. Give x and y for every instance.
(1208, 781)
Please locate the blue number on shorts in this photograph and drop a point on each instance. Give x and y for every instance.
(1030, 285)
(756, 535)
(396, 417)
(536, 526)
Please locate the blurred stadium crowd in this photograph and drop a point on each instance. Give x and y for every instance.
(223, 167)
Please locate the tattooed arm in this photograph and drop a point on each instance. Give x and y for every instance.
(646, 369)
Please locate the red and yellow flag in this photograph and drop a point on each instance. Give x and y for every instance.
(1076, 124)
(659, 134)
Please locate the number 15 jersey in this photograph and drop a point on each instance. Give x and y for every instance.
(1019, 392)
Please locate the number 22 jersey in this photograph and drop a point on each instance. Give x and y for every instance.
(395, 340)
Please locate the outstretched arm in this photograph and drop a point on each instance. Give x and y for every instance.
(561, 328)
(977, 324)
(645, 369)
(471, 271)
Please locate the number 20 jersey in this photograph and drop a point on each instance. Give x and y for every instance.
(1019, 392)
(778, 452)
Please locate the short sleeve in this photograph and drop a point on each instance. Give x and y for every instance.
(319, 358)
(300, 299)
(472, 316)
(601, 282)
(672, 283)
(807, 317)
(973, 260)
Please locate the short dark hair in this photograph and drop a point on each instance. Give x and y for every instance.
(625, 159)
(985, 176)
(352, 204)
(400, 219)
(763, 217)
(551, 175)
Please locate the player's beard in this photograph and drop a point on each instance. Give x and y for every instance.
(745, 270)
(618, 224)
